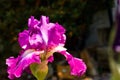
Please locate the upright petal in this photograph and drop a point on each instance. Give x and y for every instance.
(44, 28)
(17, 65)
(33, 23)
(77, 66)
(56, 35)
(23, 39)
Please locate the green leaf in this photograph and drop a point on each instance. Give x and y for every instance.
(39, 70)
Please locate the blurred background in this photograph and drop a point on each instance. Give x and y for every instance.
(88, 25)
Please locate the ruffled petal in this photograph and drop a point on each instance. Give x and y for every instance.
(17, 65)
(36, 42)
(33, 23)
(56, 35)
(42, 33)
(77, 66)
(23, 39)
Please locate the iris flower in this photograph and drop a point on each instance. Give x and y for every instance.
(38, 43)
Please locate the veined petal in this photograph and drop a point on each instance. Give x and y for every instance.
(17, 65)
(36, 41)
(44, 28)
(77, 66)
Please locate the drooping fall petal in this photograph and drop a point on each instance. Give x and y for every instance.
(77, 66)
(17, 65)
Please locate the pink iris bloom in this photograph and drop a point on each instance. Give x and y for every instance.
(42, 37)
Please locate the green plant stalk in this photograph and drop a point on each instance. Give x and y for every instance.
(113, 65)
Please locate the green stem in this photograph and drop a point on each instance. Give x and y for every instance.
(113, 65)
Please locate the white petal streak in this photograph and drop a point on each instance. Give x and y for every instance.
(29, 52)
(59, 49)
